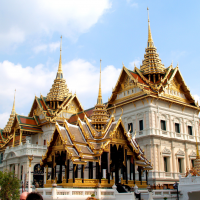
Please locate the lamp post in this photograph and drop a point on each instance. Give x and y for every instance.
(176, 187)
(30, 158)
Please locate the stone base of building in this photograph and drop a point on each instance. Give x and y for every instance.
(93, 183)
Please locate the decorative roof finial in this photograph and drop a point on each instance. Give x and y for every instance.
(150, 39)
(13, 109)
(60, 72)
(99, 100)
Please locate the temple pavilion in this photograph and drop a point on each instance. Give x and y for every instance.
(101, 144)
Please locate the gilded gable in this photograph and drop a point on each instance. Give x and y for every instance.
(118, 135)
(73, 107)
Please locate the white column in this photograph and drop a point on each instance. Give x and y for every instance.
(173, 160)
(29, 180)
(158, 154)
(187, 161)
(145, 120)
(16, 170)
(154, 152)
(136, 121)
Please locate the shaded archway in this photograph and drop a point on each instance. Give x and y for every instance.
(38, 175)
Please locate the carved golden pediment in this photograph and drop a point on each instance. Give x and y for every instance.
(58, 141)
(118, 135)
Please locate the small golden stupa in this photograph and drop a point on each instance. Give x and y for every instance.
(7, 128)
(151, 65)
(59, 90)
(99, 116)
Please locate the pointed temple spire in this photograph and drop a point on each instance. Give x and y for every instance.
(99, 116)
(151, 65)
(60, 72)
(13, 109)
(59, 90)
(99, 100)
(150, 39)
(7, 128)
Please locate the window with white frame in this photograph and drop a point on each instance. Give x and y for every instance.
(141, 125)
(180, 165)
(192, 163)
(163, 125)
(166, 163)
(190, 130)
(177, 127)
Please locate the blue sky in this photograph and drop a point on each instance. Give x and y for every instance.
(115, 31)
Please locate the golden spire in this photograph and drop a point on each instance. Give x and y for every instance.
(99, 115)
(59, 90)
(60, 72)
(99, 100)
(13, 109)
(151, 63)
(150, 39)
(7, 128)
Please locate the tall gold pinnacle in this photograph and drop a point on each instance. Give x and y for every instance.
(60, 72)
(99, 100)
(13, 109)
(150, 39)
(151, 65)
(99, 115)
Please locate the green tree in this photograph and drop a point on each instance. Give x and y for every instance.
(10, 185)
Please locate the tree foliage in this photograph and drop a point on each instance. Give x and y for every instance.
(10, 185)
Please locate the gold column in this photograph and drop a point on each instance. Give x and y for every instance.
(20, 138)
(14, 138)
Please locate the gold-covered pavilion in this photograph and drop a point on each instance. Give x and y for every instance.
(100, 143)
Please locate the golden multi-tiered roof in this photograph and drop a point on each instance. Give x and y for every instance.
(59, 90)
(99, 116)
(7, 128)
(151, 64)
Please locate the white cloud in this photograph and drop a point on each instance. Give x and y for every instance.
(81, 76)
(43, 18)
(53, 46)
(136, 62)
(132, 4)
(40, 48)
(197, 98)
(44, 47)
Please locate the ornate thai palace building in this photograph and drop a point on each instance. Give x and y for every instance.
(92, 152)
(152, 104)
(159, 107)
